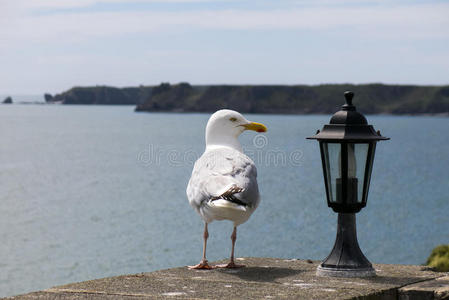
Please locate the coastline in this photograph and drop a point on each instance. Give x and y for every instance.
(439, 115)
(265, 99)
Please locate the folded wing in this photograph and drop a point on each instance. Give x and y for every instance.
(222, 173)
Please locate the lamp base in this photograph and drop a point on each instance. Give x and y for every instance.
(346, 258)
(341, 272)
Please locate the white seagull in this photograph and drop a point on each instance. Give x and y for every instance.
(223, 185)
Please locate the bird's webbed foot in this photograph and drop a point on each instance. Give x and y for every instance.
(203, 265)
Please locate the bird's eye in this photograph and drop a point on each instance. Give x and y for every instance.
(232, 119)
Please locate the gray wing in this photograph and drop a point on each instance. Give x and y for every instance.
(219, 170)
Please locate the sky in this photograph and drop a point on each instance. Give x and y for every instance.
(53, 45)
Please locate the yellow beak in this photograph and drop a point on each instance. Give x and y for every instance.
(259, 127)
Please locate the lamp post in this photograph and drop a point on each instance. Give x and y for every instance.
(347, 147)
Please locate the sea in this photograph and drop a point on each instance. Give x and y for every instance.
(95, 191)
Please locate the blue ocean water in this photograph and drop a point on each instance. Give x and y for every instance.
(95, 191)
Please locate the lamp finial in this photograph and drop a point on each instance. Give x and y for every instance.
(348, 96)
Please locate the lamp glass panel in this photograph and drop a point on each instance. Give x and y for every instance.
(357, 156)
(369, 165)
(332, 163)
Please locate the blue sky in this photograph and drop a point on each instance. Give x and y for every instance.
(52, 45)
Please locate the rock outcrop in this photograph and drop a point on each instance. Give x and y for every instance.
(8, 100)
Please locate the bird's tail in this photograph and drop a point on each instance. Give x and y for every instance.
(222, 203)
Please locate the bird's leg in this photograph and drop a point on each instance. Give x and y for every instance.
(203, 263)
(231, 263)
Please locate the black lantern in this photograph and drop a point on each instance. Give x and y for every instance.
(347, 148)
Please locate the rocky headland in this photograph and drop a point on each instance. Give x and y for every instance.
(274, 99)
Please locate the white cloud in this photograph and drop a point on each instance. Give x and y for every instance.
(385, 42)
(58, 4)
(413, 21)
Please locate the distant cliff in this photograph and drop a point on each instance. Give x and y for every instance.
(279, 99)
(101, 95)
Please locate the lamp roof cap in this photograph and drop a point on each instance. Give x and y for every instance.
(348, 125)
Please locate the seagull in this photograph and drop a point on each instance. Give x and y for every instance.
(223, 185)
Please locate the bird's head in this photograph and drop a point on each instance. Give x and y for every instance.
(225, 126)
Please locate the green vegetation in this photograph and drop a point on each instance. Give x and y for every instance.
(279, 99)
(439, 258)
